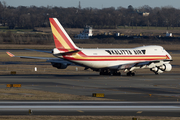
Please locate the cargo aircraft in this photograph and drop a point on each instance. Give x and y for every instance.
(108, 61)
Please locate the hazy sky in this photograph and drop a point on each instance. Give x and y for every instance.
(94, 3)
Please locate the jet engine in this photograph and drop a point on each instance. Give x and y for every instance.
(59, 65)
(156, 70)
(166, 67)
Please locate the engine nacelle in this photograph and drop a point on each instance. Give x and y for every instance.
(156, 70)
(159, 71)
(59, 65)
(166, 67)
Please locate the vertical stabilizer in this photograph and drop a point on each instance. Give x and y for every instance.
(61, 38)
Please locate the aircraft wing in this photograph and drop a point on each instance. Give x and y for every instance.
(150, 62)
(48, 59)
(141, 64)
(28, 57)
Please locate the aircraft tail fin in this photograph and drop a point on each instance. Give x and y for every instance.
(61, 38)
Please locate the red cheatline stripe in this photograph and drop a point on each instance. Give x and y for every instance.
(110, 59)
(107, 59)
(167, 56)
(123, 56)
(119, 58)
(61, 33)
(84, 55)
(81, 54)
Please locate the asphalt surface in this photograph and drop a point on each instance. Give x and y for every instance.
(163, 92)
(164, 87)
(94, 113)
(90, 108)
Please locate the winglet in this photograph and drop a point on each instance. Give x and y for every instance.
(10, 54)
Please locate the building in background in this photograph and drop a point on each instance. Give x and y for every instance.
(85, 34)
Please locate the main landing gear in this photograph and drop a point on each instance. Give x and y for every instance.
(130, 73)
(115, 72)
(111, 72)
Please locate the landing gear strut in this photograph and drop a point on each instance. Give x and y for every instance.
(130, 73)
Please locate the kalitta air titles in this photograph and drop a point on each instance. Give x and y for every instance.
(126, 52)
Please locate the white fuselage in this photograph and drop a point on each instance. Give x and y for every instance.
(114, 57)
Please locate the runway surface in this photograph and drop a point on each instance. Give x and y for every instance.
(163, 101)
(164, 87)
(90, 108)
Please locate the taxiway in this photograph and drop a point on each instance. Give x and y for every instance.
(165, 87)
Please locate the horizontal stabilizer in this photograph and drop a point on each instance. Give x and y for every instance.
(67, 53)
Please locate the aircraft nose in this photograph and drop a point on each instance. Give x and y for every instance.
(168, 56)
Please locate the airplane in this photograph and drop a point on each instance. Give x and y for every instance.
(107, 61)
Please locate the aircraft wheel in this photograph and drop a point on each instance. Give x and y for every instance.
(104, 72)
(118, 73)
(130, 74)
(114, 73)
(156, 73)
(100, 73)
(133, 74)
(109, 73)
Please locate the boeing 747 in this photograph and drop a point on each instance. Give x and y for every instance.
(108, 61)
